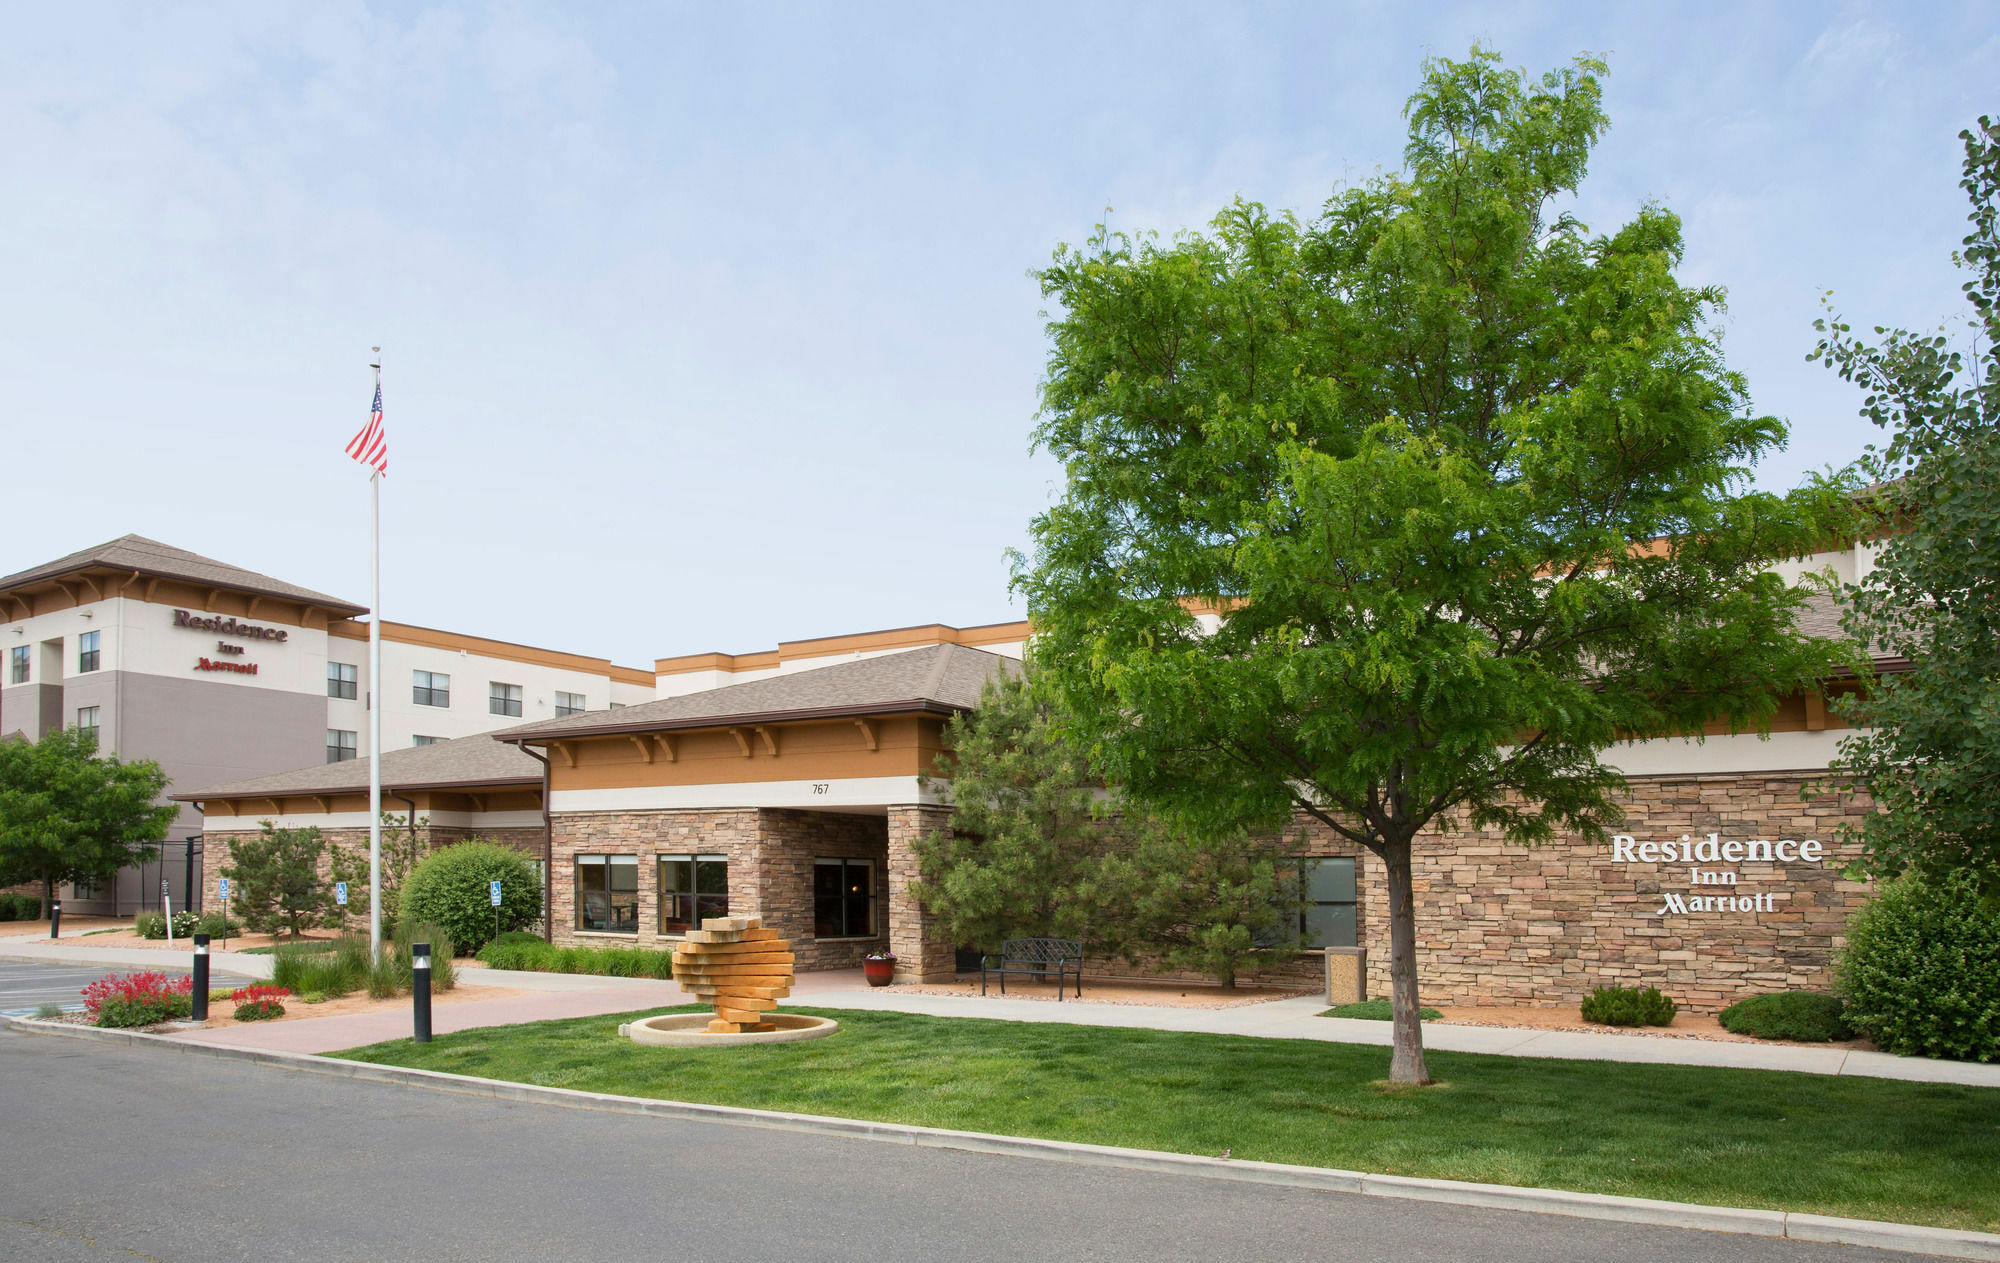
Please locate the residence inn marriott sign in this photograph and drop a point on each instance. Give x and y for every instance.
(790, 784)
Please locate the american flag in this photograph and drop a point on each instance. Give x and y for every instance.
(371, 446)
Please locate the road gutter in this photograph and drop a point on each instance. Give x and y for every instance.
(1914, 1238)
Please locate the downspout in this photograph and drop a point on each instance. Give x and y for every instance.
(548, 851)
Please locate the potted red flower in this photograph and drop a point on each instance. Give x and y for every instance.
(879, 968)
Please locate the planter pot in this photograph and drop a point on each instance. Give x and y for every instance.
(880, 973)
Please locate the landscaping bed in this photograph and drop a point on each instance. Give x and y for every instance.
(1836, 1145)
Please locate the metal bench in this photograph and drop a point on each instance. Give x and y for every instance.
(1037, 956)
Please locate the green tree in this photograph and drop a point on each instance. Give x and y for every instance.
(70, 814)
(1039, 848)
(1360, 516)
(1930, 752)
(276, 881)
(401, 849)
(1025, 856)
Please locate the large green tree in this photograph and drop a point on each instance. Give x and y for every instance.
(1361, 516)
(70, 814)
(1930, 752)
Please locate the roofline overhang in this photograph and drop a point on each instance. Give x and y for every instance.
(546, 736)
(308, 790)
(346, 609)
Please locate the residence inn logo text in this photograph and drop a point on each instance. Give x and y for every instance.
(1713, 850)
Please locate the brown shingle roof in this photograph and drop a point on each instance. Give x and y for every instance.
(467, 761)
(942, 678)
(154, 559)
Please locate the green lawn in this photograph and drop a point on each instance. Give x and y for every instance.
(1869, 1148)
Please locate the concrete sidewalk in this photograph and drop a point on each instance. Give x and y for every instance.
(579, 995)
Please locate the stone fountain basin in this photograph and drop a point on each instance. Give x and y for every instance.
(690, 1030)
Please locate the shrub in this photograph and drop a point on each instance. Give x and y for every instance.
(1376, 1011)
(213, 925)
(335, 971)
(530, 953)
(219, 995)
(315, 997)
(154, 924)
(388, 975)
(444, 975)
(1629, 1006)
(449, 888)
(138, 999)
(20, 907)
(259, 1003)
(48, 1009)
(1801, 1015)
(1921, 974)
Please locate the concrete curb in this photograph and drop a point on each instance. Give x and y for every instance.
(1912, 1238)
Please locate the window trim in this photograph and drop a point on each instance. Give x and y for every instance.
(563, 708)
(662, 901)
(577, 892)
(874, 899)
(343, 681)
(88, 659)
(342, 751)
(428, 693)
(503, 699)
(1307, 903)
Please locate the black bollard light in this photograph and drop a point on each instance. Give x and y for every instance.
(420, 989)
(199, 992)
(55, 918)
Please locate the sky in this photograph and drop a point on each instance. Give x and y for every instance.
(708, 326)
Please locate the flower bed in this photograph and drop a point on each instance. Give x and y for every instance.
(138, 999)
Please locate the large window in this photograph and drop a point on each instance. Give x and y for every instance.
(86, 652)
(568, 704)
(430, 688)
(340, 746)
(843, 898)
(1327, 919)
(343, 680)
(607, 893)
(86, 719)
(17, 661)
(504, 699)
(693, 888)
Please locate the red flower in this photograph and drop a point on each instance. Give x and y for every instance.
(146, 986)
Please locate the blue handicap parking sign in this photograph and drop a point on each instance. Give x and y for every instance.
(340, 893)
(222, 887)
(495, 889)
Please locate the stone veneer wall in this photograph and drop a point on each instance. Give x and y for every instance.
(215, 847)
(923, 952)
(770, 853)
(1507, 925)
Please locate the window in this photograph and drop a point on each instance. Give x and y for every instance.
(342, 680)
(1327, 920)
(568, 704)
(505, 699)
(86, 719)
(421, 740)
(617, 706)
(340, 745)
(430, 688)
(86, 652)
(692, 889)
(17, 659)
(607, 893)
(843, 898)
(83, 889)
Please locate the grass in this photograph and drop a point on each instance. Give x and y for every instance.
(1868, 1148)
(1376, 1011)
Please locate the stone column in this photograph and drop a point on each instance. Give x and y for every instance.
(923, 953)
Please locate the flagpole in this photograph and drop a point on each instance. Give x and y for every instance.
(375, 696)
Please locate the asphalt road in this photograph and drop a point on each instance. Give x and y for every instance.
(125, 1153)
(25, 986)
